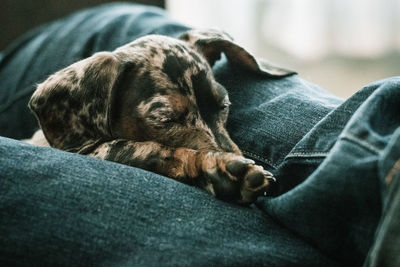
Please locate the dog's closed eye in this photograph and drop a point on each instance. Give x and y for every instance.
(161, 115)
(170, 116)
(166, 115)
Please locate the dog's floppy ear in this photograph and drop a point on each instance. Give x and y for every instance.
(212, 42)
(73, 105)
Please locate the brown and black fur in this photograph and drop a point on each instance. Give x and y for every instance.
(154, 104)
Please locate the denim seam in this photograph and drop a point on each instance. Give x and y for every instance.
(312, 154)
(306, 85)
(392, 172)
(354, 139)
(258, 157)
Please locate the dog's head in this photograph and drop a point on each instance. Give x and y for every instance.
(155, 88)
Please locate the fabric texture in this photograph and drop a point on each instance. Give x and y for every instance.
(90, 212)
(332, 159)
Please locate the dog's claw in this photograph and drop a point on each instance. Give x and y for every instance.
(271, 179)
(248, 161)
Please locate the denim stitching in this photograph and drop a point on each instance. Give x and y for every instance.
(311, 154)
(392, 172)
(358, 141)
(306, 85)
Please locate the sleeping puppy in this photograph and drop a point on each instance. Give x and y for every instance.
(154, 104)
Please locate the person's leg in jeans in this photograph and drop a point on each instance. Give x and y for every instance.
(63, 209)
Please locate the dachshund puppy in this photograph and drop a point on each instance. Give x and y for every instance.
(154, 104)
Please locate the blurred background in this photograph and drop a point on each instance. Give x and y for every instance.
(341, 45)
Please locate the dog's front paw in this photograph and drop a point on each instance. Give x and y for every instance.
(234, 178)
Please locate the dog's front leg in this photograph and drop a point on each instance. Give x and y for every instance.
(226, 175)
(177, 163)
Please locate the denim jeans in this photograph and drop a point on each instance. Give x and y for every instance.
(386, 249)
(336, 164)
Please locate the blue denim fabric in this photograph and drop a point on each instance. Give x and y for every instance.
(386, 249)
(302, 133)
(63, 209)
(331, 159)
(338, 206)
